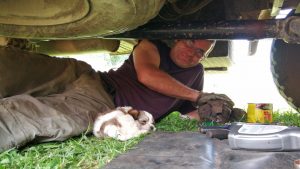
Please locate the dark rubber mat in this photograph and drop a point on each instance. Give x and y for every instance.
(189, 150)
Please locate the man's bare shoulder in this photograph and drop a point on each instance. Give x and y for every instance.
(146, 45)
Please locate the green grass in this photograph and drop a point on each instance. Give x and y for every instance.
(87, 151)
(287, 118)
(174, 123)
(82, 152)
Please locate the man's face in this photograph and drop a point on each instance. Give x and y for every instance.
(188, 53)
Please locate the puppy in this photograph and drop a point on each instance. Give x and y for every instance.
(123, 123)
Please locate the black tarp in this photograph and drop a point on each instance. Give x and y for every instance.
(191, 150)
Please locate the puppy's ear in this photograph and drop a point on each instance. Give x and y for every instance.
(134, 113)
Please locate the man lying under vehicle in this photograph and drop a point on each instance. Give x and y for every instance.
(46, 98)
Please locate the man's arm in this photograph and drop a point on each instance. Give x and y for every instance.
(146, 62)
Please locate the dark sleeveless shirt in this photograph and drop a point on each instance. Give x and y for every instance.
(128, 91)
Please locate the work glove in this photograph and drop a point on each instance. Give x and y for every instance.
(205, 97)
(217, 108)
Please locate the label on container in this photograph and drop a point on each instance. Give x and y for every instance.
(260, 113)
(260, 129)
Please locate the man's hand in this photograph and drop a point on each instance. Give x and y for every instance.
(203, 98)
(214, 107)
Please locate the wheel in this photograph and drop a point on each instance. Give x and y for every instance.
(285, 67)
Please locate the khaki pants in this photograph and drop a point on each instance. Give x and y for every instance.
(46, 99)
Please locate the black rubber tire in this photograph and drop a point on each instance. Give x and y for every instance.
(285, 67)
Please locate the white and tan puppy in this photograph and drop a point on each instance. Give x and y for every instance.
(123, 123)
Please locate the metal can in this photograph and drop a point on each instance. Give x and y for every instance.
(260, 113)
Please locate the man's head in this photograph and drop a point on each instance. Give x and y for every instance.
(188, 53)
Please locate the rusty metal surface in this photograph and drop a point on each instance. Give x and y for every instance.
(206, 30)
(287, 29)
(291, 30)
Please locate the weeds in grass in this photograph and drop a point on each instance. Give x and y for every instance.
(86, 151)
(287, 118)
(174, 123)
(81, 152)
(89, 152)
